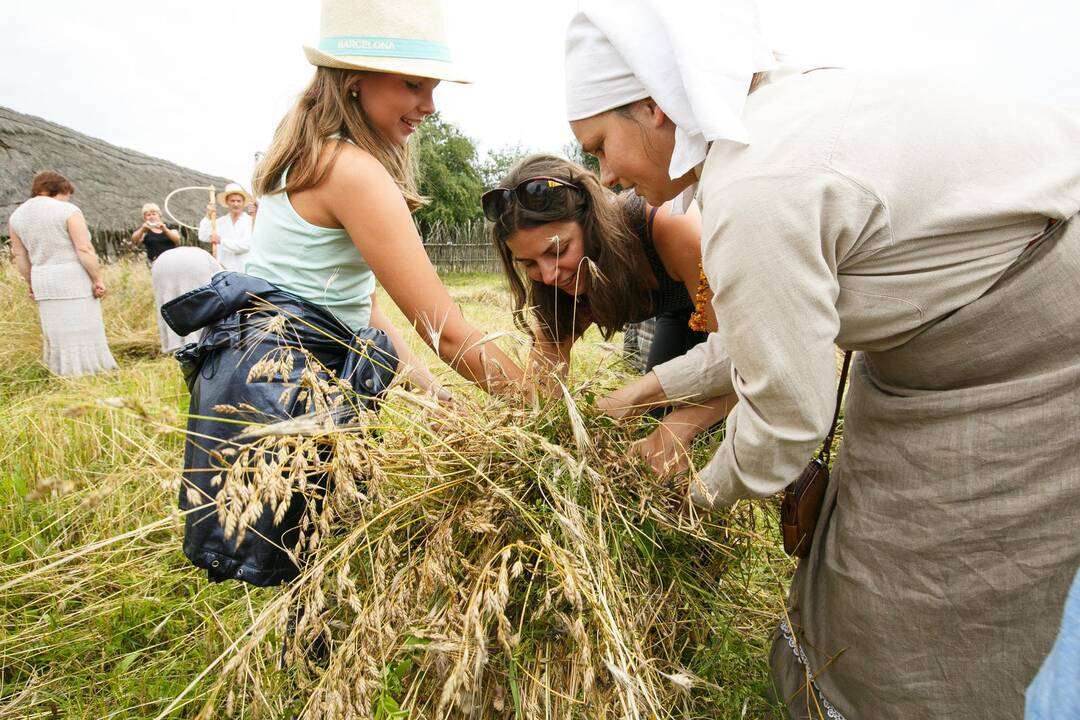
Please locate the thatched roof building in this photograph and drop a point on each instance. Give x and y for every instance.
(111, 182)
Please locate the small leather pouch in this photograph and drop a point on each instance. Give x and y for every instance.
(800, 506)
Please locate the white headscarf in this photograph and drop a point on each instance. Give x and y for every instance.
(695, 58)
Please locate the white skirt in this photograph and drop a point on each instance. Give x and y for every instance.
(174, 273)
(73, 332)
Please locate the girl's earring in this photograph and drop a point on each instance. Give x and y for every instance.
(354, 94)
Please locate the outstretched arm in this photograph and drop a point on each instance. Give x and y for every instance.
(773, 246)
(420, 376)
(549, 360)
(363, 197)
(666, 448)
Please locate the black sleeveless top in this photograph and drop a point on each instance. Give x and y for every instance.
(670, 295)
(668, 298)
(155, 244)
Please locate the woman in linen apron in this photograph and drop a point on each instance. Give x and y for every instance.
(928, 228)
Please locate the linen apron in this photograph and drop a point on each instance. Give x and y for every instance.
(948, 536)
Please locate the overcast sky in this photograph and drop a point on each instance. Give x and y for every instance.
(203, 84)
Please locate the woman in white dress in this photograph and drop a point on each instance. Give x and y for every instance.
(51, 246)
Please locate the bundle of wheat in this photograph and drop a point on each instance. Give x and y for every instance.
(484, 560)
(463, 562)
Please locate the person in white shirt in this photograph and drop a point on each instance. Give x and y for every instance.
(229, 236)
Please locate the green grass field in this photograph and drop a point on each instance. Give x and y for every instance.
(100, 614)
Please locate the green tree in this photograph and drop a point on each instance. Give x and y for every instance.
(498, 162)
(448, 175)
(574, 151)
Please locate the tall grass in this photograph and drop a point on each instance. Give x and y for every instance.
(487, 564)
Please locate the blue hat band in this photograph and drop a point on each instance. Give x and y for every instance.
(374, 46)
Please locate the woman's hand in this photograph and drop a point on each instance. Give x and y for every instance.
(139, 234)
(666, 449)
(80, 240)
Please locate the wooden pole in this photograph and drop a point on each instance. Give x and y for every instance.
(213, 221)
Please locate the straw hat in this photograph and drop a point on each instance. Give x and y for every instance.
(232, 189)
(391, 36)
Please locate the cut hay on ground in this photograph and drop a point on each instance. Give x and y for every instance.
(483, 569)
(492, 560)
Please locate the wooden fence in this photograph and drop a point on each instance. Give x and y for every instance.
(451, 258)
(458, 249)
(461, 249)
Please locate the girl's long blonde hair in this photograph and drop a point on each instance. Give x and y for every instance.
(326, 108)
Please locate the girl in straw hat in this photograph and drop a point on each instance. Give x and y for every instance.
(933, 231)
(337, 185)
(336, 190)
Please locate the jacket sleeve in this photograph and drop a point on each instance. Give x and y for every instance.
(770, 252)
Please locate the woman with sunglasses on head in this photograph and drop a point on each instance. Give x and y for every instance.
(575, 255)
(933, 230)
(336, 192)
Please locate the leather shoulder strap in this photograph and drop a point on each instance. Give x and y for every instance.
(826, 449)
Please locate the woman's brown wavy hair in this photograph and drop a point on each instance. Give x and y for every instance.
(324, 109)
(51, 183)
(617, 290)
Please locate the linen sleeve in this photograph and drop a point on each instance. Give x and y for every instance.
(770, 248)
(204, 230)
(702, 373)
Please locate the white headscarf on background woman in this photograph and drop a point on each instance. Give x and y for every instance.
(695, 58)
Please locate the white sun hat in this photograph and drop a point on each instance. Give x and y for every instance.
(232, 189)
(406, 38)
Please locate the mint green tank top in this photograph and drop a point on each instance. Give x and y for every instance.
(319, 264)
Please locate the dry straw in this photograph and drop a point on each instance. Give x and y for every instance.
(484, 560)
(466, 562)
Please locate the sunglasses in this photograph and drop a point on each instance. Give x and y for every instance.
(537, 194)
